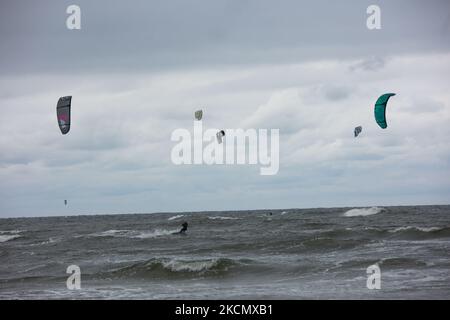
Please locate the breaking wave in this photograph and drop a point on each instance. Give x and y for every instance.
(170, 267)
(413, 232)
(49, 241)
(223, 218)
(9, 235)
(363, 212)
(176, 217)
(11, 231)
(420, 229)
(410, 232)
(4, 238)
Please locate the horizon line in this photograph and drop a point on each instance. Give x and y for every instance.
(228, 210)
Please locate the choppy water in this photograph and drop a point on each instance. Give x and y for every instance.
(292, 254)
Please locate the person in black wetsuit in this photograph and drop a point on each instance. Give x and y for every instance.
(184, 227)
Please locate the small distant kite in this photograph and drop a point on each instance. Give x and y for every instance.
(220, 135)
(357, 131)
(198, 114)
(63, 113)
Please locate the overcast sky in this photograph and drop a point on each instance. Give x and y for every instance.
(137, 70)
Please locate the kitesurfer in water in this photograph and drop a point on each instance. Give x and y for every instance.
(184, 227)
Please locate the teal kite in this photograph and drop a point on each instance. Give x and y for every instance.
(380, 109)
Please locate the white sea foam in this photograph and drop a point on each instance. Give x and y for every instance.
(49, 241)
(134, 234)
(8, 237)
(10, 231)
(223, 218)
(363, 212)
(176, 217)
(111, 233)
(154, 234)
(190, 266)
(423, 229)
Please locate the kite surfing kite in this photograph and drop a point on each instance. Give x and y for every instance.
(380, 109)
(63, 113)
(198, 114)
(357, 131)
(220, 135)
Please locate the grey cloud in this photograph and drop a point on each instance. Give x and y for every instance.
(333, 92)
(372, 63)
(423, 105)
(159, 35)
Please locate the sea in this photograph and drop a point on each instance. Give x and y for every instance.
(398, 252)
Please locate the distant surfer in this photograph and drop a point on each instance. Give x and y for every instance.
(184, 227)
